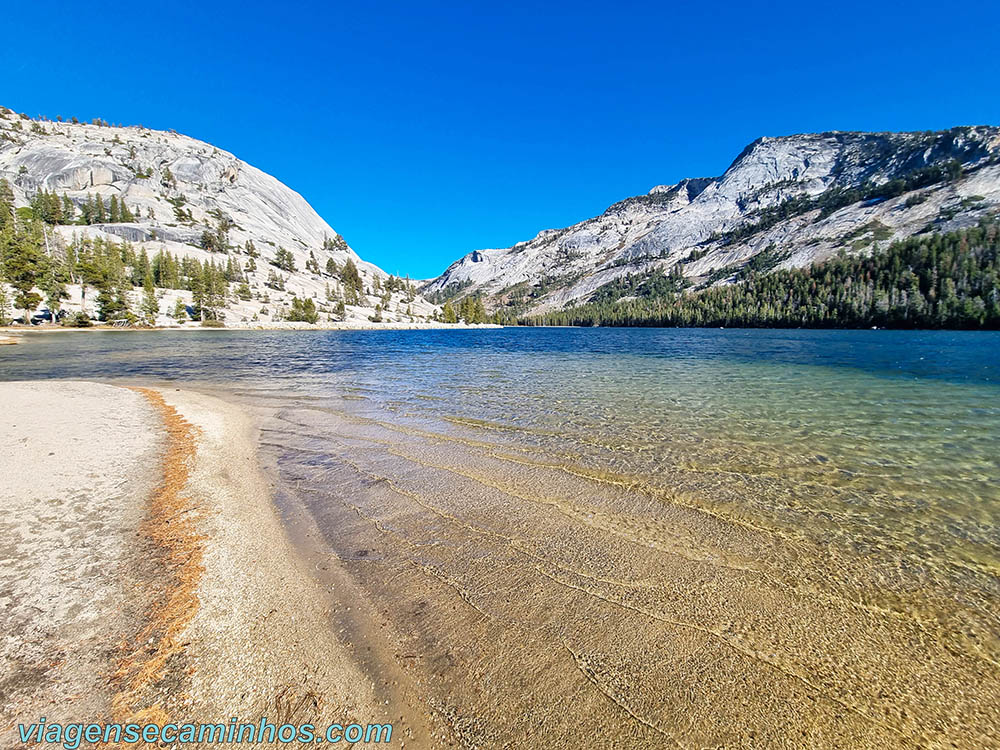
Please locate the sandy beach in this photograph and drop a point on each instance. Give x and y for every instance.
(146, 576)
(75, 463)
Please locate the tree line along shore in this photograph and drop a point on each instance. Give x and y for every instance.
(121, 286)
(936, 280)
(933, 280)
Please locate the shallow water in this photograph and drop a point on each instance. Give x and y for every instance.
(644, 537)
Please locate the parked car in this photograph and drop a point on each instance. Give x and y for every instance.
(45, 316)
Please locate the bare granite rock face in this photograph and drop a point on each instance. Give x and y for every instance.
(178, 188)
(788, 196)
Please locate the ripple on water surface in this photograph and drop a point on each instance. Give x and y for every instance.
(662, 537)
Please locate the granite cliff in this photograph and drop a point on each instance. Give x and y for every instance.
(788, 201)
(186, 198)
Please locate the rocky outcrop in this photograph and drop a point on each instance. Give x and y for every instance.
(801, 198)
(178, 188)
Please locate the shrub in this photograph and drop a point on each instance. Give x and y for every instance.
(303, 310)
(77, 320)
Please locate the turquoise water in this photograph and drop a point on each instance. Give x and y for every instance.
(854, 474)
(900, 429)
(903, 428)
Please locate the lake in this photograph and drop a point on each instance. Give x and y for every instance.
(638, 534)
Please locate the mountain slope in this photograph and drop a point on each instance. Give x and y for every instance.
(788, 201)
(191, 200)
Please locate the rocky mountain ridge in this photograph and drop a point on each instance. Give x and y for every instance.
(787, 202)
(184, 197)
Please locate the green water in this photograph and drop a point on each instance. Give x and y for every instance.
(870, 435)
(852, 473)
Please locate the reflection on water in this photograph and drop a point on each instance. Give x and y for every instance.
(698, 536)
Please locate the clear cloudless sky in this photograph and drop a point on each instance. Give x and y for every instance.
(421, 131)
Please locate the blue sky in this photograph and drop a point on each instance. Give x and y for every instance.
(421, 131)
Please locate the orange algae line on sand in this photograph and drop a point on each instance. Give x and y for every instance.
(171, 528)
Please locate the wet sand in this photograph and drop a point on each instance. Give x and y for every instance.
(146, 576)
(262, 642)
(538, 602)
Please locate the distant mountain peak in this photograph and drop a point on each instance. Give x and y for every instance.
(809, 195)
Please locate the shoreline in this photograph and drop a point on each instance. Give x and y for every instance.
(9, 334)
(216, 613)
(263, 640)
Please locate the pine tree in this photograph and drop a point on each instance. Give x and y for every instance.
(54, 287)
(180, 311)
(87, 269)
(208, 241)
(140, 268)
(274, 280)
(47, 207)
(6, 205)
(87, 210)
(222, 234)
(303, 310)
(4, 304)
(449, 313)
(24, 265)
(213, 291)
(197, 286)
(284, 260)
(233, 270)
(351, 279)
(478, 311)
(112, 304)
(150, 305)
